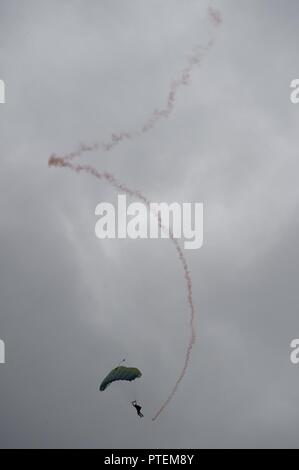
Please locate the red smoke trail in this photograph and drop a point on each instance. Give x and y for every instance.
(184, 79)
(65, 161)
(214, 15)
(110, 179)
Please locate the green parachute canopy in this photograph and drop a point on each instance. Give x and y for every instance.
(120, 373)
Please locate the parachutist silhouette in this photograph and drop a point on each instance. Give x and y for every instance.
(138, 408)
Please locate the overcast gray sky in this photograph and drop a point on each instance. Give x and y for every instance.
(71, 305)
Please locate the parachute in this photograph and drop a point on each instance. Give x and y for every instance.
(120, 373)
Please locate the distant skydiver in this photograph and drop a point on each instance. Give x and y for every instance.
(138, 408)
(121, 373)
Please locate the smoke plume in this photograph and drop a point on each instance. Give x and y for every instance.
(183, 79)
(112, 181)
(66, 161)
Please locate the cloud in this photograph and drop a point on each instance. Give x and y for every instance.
(74, 72)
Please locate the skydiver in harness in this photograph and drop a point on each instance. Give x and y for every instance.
(138, 408)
